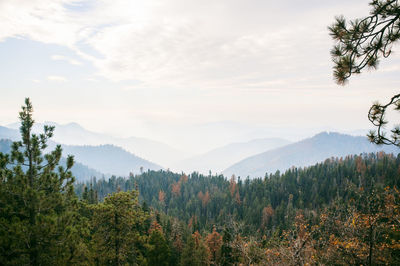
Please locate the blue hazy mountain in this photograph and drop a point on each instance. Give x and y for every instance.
(109, 159)
(80, 171)
(8, 133)
(305, 153)
(220, 158)
(75, 134)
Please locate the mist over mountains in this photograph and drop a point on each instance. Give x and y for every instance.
(305, 153)
(110, 159)
(220, 158)
(75, 134)
(97, 154)
(91, 160)
(79, 170)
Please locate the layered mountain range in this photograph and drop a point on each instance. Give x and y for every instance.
(98, 155)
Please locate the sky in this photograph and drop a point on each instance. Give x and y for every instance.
(193, 74)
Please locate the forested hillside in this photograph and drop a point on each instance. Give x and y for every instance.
(284, 219)
(209, 200)
(292, 218)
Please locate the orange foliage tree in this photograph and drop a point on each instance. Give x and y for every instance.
(161, 197)
(214, 242)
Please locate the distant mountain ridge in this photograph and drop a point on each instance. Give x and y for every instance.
(109, 159)
(253, 158)
(220, 158)
(75, 134)
(80, 171)
(304, 153)
(102, 160)
(8, 133)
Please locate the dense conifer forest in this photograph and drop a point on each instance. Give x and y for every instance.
(212, 200)
(297, 217)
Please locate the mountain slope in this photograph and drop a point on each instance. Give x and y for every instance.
(74, 134)
(219, 159)
(8, 133)
(305, 153)
(109, 159)
(80, 171)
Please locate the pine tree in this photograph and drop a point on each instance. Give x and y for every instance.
(360, 44)
(227, 257)
(37, 200)
(159, 252)
(115, 220)
(196, 252)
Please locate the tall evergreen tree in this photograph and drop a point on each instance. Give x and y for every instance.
(196, 252)
(227, 257)
(116, 224)
(158, 249)
(37, 200)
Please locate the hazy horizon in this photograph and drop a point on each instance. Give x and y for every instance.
(194, 75)
(262, 133)
(281, 153)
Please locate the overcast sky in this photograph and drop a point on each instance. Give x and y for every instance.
(181, 71)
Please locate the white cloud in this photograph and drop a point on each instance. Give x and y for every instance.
(57, 78)
(67, 59)
(257, 61)
(183, 43)
(40, 20)
(92, 79)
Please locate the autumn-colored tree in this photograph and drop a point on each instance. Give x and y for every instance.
(266, 216)
(200, 195)
(365, 230)
(296, 247)
(204, 198)
(360, 165)
(155, 226)
(248, 250)
(232, 185)
(214, 243)
(184, 178)
(176, 189)
(161, 197)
